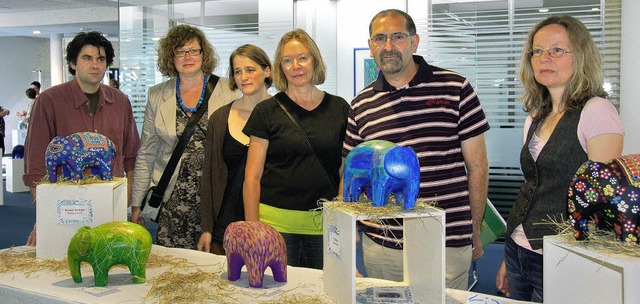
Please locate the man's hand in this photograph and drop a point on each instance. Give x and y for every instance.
(478, 249)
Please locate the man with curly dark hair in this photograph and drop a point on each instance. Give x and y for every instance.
(83, 104)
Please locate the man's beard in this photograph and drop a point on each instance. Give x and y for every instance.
(390, 67)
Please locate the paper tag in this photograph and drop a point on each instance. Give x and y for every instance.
(75, 211)
(100, 291)
(385, 295)
(334, 240)
(482, 299)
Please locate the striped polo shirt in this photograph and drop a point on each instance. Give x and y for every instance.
(433, 113)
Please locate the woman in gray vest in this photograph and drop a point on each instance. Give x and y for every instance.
(569, 122)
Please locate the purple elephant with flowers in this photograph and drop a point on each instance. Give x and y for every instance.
(610, 193)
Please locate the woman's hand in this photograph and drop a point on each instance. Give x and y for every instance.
(204, 244)
(135, 216)
(256, 157)
(502, 283)
(31, 241)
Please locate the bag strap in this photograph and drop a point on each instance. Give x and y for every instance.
(334, 183)
(183, 141)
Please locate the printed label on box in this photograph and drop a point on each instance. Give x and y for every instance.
(75, 211)
(385, 295)
(333, 246)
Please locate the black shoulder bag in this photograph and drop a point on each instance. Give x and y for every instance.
(155, 193)
(334, 183)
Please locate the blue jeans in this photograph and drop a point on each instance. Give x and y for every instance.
(303, 250)
(524, 272)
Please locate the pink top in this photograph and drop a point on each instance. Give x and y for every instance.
(598, 117)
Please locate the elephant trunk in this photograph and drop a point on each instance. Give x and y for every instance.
(77, 251)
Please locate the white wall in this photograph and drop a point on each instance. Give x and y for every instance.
(19, 57)
(352, 32)
(318, 19)
(630, 76)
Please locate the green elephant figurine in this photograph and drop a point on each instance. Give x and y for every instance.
(110, 244)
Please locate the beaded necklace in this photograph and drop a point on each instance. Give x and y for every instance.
(185, 108)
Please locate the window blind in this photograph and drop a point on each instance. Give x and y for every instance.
(483, 41)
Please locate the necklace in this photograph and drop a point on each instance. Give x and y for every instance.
(185, 108)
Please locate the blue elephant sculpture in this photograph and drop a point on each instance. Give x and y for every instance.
(78, 151)
(17, 152)
(380, 168)
(610, 193)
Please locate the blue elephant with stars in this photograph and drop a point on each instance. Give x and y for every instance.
(78, 151)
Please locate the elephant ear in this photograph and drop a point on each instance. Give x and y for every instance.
(83, 240)
(628, 167)
(55, 146)
(401, 162)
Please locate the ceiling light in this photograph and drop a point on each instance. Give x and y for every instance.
(595, 9)
(36, 32)
(543, 10)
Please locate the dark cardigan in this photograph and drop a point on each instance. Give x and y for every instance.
(214, 171)
(543, 196)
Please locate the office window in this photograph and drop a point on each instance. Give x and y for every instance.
(483, 41)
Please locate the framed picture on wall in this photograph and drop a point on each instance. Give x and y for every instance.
(365, 70)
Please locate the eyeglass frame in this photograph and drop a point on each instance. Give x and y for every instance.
(288, 64)
(393, 37)
(191, 52)
(555, 50)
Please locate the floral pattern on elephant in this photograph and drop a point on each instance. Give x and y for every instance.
(257, 245)
(107, 245)
(608, 193)
(380, 168)
(78, 151)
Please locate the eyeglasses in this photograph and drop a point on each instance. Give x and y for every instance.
(302, 59)
(553, 52)
(192, 52)
(381, 39)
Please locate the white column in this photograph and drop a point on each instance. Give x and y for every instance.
(56, 57)
(629, 76)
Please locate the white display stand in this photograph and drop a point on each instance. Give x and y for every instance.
(50, 287)
(18, 137)
(576, 273)
(424, 253)
(2, 195)
(14, 169)
(61, 209)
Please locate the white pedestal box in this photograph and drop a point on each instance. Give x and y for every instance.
(14, 169)
(61, 209)
(1, 194)
(424, 253)
(18, 137)
(576, 273)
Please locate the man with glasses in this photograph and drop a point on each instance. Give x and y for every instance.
(83, 104)
(437, 113)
